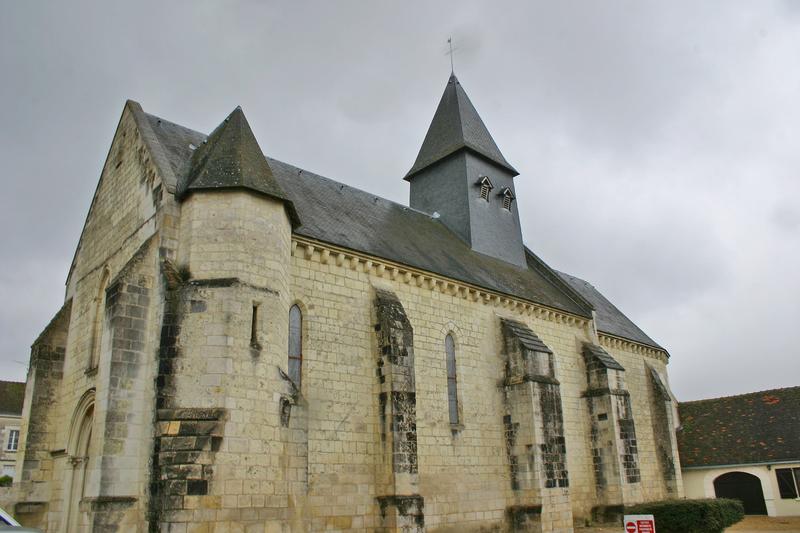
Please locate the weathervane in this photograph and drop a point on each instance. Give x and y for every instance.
(450, 53)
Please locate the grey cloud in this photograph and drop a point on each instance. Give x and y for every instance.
(657, 141)
(787, 218)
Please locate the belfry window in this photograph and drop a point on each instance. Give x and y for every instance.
(486, 187)
(295, 345)
(508, 198)
(452, 390)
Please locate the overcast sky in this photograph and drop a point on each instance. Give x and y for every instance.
(658, 142)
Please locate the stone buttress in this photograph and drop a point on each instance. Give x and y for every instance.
(535, 441)
(45, 374)
(401, 506)
(663, 418)
(615, 452)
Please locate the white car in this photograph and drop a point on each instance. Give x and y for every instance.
(7, 523)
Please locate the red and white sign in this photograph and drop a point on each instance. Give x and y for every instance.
(639, 523)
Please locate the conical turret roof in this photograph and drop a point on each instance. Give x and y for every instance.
(230, 158)
(456, 125)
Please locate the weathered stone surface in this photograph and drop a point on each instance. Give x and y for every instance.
(198, 432)
(536, 446)
(615, 448)
(398, 415)
(664, 431)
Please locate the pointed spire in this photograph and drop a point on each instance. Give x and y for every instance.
(456, 125)
(230, 158)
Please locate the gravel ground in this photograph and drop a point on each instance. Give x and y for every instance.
(757, 524)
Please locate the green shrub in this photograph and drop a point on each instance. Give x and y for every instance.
(5, 481)
(691, 516)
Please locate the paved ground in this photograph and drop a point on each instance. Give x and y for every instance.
(750, 524)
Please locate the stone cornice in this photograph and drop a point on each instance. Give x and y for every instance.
(325, 253)
(611, 341)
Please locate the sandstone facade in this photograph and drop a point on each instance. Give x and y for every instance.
(160, 398)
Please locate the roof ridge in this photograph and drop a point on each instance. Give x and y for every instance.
(459, 115)
(556, 279)
(754, 393)
(174, 123)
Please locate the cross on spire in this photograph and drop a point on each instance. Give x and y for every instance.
(451, 53)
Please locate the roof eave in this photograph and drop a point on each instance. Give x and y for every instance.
(417, 168)
(739, 465)
(291, 212)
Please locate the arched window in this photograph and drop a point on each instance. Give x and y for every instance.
(295, 345)
(452, 390)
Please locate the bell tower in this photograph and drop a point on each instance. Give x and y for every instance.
(461, 175)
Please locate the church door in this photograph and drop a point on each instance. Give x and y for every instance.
(743, 487)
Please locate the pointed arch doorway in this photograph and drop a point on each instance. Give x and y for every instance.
(79, 448)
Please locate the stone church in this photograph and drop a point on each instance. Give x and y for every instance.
(247, 346)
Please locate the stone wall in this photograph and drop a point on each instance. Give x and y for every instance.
(118, 249)
(465, 476)
(197, 422)
(35, 462)
(230, 445)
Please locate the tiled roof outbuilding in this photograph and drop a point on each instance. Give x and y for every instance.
(759, 427)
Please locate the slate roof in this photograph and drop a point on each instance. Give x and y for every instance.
(230, 158)
(759, 427)
(177, 142)
(609, 318)
(602, 356)
(12, 395)
(337, 214)
(456, 125)
(525, 335)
